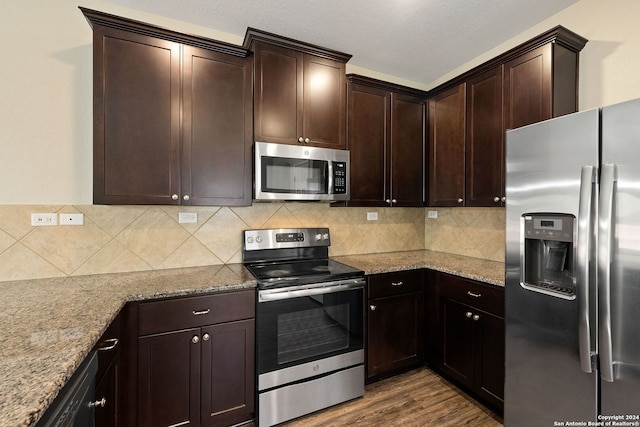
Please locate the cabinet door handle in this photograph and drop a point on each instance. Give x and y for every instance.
(205, 337)
(469, 314)
(109, 344)
(397, 283)
(186, 197)
(476, 317)
(195, 339)
(174, 197)
(201, 312)
(496, 199)
(101, 403)
(471, 294)
(460, 200)
(372, 307)
(504, 199)
(301, 140)
(388, 201)
(306, 140)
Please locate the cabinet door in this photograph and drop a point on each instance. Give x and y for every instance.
(368, 134)
(407, 150)
(169, 379)
(278, 91)
(528, 88)
(324, 102)
(108, 393)
(457, 341)
(217, 129)
(484, 146)
(136, 118)
(395, 333)
(228, 373)
(446, 147)
(489, 377)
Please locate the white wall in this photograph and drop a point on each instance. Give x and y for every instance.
(46, 89)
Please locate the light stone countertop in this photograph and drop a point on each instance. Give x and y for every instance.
(471, 268)
(48, 326)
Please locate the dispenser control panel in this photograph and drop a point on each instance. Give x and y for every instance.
(551, 227)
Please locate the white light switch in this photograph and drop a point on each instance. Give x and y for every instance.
(372, 216)
(432, 214)
(71, 219)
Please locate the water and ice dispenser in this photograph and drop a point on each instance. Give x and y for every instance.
(549, 244)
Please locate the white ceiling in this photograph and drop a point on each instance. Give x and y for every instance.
(416, 40)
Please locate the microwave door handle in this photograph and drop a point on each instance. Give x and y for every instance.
(608, 178)
(330, 183)
(583, 244)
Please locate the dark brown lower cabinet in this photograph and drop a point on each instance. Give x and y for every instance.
(472, 336)
(108, 377)
(200, 376)
(395, 337)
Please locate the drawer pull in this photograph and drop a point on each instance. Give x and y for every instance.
(396, 283)
(195, 339)
(469, 314)
(109, 344)
(201, 312)
(476, 317)
(471, 294)
(206, 337)
(373, 307)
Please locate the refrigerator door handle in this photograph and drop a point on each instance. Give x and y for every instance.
(585, 226)
(608, 178)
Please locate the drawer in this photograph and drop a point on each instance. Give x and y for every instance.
(191, 312)
(396, 283)
(482, 296)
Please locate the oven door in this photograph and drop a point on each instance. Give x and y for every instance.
(298, 325)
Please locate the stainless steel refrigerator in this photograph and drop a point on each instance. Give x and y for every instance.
(572, 286)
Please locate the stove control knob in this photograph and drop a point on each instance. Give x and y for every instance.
(259, 239)
(325, 236)
(318, 236)
(250, 239)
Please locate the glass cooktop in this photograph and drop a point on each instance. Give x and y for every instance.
(292, 273)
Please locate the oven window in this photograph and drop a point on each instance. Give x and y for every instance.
(314, 332)
(297, 176)
(302, 329)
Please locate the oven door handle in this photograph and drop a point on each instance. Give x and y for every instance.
(289, 293)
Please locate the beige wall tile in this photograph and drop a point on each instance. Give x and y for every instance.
(135, 238)
(20, 263)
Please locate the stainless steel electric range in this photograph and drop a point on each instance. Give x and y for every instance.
(309, 323)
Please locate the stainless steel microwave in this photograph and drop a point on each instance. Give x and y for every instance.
(296, 172)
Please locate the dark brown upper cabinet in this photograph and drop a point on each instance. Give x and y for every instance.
(535, 81)
(172, 116)
(300, 95)
(446, 147)
(386, 139)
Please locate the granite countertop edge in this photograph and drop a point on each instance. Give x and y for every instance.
(36, 361)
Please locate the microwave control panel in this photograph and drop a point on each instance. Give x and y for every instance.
(339, 178)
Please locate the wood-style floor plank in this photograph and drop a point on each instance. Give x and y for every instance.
(414, 399)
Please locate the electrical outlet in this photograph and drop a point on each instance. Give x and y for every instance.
(372, 216)
(42, 219)
(432, 214)
(187, 217)
(71, 219)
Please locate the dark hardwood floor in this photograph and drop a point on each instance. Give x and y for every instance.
(416, 398)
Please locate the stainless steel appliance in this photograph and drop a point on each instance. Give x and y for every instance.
(573, 269)
(309, 323)
(298, 172)
(75, 404)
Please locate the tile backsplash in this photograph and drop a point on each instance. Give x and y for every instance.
(136, 238)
